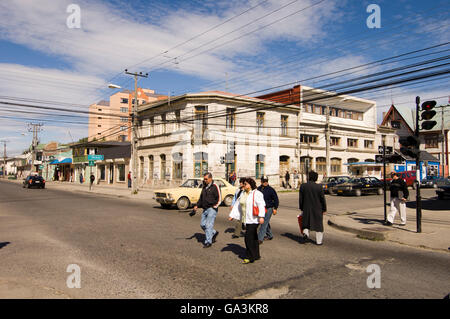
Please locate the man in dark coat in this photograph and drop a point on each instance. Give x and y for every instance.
(312, 203)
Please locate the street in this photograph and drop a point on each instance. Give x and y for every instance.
(135, 249)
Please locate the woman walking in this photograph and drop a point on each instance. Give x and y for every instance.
(249, 201)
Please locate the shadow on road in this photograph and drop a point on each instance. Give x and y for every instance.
(6, 243)
(296, 238)
(238, 250)
(200, 237)
(431, 204)
(369, 221)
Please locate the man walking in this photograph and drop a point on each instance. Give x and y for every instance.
(209, 200)
(271, 200)
(129, 179)
(92, 179)
(399, 195)
(296, 179)
(312, 203)
(287, 177)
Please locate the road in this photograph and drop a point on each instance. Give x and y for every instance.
(134, 249)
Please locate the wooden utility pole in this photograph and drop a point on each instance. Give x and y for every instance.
(134, 186)
(4, 158)
(327, 140)
(35, 128)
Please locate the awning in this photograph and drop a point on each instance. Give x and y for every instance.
(54, 162)
(66, 161)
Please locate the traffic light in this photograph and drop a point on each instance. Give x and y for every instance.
(427, 114)
(410, 146)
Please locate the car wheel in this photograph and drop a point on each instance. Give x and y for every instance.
(183, 203)
(228, 200)
(358, 192)
(331, 192)
(380, 191)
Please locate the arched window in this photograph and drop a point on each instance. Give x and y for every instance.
(321, 165)
(163, 166)
(259, 166)
(150, 166)
(177, 165)
(200, 164)
(305, 164)
(335, 166)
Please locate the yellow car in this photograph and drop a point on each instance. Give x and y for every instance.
(188, 193)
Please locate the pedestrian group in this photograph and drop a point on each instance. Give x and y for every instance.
(252, 208)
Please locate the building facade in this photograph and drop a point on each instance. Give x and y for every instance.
(270, 135)
(110, 120)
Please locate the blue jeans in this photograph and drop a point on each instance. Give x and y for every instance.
(207, 224)
(265, 229)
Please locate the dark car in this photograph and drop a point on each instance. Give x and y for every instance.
(444, 189)
(34, 181)
(360, 185)
(432, 181)
(328, 183)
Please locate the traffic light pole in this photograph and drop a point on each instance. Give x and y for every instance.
(384, 177)
(418, 198)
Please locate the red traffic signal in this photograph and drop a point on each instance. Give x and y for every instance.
(428, 105)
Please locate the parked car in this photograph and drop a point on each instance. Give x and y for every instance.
(360, 185)
(34, 181)
(408, 176)
(433, 182)
(189, 192)
(444, 189)
(328, 183)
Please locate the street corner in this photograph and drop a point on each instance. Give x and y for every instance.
(363, 227)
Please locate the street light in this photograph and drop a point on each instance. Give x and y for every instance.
(114, 86)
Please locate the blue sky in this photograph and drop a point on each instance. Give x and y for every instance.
(43, 59)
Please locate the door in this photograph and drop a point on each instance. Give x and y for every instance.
(111, 173)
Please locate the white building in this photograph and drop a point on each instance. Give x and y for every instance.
(196, 133)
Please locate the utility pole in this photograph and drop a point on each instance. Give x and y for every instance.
(384, 176)
(418, 198)
(134, 186)
(443, 141)
(327, 140)
(4, 157)
(35, 128)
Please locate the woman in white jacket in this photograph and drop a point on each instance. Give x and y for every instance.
(243, 207)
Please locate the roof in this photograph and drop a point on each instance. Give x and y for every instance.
(103, 103)
(424, 156)
(409, 115)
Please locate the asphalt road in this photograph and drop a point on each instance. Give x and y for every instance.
(134, 249)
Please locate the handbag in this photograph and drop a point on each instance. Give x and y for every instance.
(255, 208)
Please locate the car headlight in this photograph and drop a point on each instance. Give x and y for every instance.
(170, 196)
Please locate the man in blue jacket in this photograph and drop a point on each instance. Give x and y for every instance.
(271, 199)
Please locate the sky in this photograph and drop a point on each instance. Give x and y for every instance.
(192, 46)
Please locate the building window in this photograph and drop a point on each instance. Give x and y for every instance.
(151, 127)
(259, 122)
(124, 100)
(201, 120)
(151, 164)
(335, 165)
(124, 119)
(305, 164)
(99, 110)
(177, 166)
(284, 125)
(123, 128)
(231, 118)
(432, 141)
(368, 144)
(259, 167)
(163, 166)
(102, 172)
(178, 119)
(335, 141)
(308, 139)
(99, 126)
(200, 164)
(321, 165)
(124, 109)
(351, 142)
(164, 123)
(121, 170)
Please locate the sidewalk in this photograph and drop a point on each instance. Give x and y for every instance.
(368, 224)
(109, 190)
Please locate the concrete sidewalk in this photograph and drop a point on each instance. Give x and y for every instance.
(368, 224)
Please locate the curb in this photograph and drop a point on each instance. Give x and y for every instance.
(362, 233)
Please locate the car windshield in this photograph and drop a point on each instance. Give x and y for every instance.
(191, 183)
(342, 179)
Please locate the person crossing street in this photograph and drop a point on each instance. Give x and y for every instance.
(271, 200)
(399, 195)
(209, 200)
